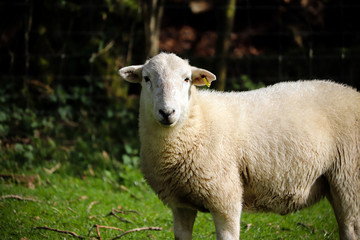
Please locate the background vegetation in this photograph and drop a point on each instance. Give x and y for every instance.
(68, 124)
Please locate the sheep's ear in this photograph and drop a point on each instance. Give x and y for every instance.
(201, 77)
(132, 74)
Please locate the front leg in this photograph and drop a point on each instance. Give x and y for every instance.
(227, 224)
(184, 219)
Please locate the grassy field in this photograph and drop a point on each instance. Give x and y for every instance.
(41, 205)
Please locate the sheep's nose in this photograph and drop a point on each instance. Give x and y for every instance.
(167, 117)
(167, 113)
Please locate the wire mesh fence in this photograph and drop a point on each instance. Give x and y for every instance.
(62, 42)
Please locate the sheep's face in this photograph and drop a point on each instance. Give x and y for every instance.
(166, 80)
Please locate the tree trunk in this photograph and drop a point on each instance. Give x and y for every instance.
(152, 11)
(224, 41)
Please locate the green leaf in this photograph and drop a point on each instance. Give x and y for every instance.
(64, 112)
(126, 159)
(128, 149)
(4, 129)
(3, 116)
(19, 147)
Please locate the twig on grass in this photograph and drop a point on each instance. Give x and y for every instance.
(113, 212)
(61, 231)
(311, 228)
(98, 232)
(98, 227)
(91, 205)
(248, 226)
(72, 210)
(127, 211)
(137, 230)
(123, 212)
(17, 197)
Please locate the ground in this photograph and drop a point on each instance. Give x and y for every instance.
(42, 208)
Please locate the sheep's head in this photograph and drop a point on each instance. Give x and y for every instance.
(166, 80)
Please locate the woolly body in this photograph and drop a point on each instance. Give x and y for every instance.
(278, 149)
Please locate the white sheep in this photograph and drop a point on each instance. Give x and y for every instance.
(279, 149)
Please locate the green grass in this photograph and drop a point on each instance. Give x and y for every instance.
(63, 203)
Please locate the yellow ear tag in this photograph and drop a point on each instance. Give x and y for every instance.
(206, 81)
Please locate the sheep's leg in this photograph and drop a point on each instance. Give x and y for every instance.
(345, 199)
(184, 219)
(347, 218)
(227, 224)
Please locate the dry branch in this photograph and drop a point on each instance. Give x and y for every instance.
(17, 197)
(126, 211)
(98, 227)
(91, 205)
(72, 210)
(137, 230)
(312, 229)
(248, 226)
(113, 212)
(61, 231)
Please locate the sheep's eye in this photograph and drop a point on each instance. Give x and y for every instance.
(147, 79)
(187, 79)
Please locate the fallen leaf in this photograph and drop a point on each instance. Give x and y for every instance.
(122, 187)
(83, 198)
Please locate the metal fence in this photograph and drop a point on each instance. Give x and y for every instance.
(272, 41)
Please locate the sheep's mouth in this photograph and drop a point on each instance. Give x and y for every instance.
(167, 122)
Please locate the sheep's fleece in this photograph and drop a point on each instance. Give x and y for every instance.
(279, 149)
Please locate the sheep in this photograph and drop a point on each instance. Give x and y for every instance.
(280, 148)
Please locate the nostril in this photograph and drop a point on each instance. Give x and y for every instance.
(166, 114)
